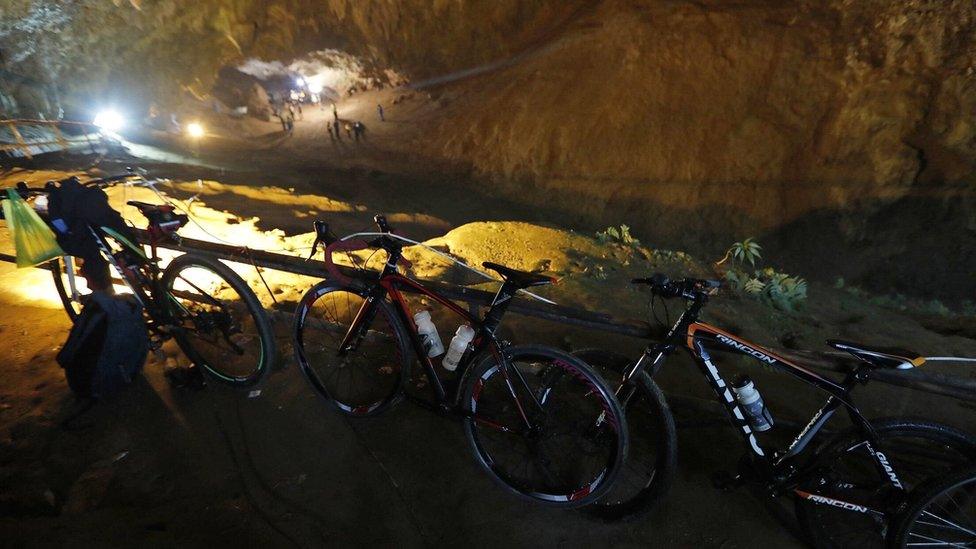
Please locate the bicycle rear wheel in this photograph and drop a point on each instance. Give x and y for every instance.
(941, 512)
(652, 459)
(915, 449)
(220, 324)
(367, 377)
(544, 425)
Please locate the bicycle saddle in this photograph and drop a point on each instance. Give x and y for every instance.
(520, 279)
(146, 207)
(880, 357)
(162, 216)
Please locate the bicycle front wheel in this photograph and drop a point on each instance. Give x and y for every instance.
(71, 286)
(369, 374)
(219, 322)
(915, 450)
(939, 513)
(652, 459)
(545, 425)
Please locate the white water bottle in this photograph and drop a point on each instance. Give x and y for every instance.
(752, 404)
(428, 333)
(458, 345)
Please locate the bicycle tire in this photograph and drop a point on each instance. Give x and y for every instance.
(202, 320)
(820, 522)
(314, 355)
(71, 307)
(924, 500)
(652, 458)
(606, 441)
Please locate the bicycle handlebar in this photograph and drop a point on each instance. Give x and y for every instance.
(323, 235)
(688, 288)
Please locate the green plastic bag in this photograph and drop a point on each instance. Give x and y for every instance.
(33, 239)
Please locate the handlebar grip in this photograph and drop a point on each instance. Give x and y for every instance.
(322, 232)
(380, 221)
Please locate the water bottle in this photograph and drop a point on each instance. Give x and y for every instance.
(458, 345)
(752, 404)
(428, 334)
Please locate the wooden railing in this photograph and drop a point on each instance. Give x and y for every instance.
(55, 135)
(963, 388)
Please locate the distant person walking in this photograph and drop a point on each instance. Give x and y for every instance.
(359, 129)
(335, 113)
(379, 111)
(284, 123)
(328, 128)
(348, 127)
(335, 129)
(289, 121)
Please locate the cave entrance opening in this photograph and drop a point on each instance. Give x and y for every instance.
(258, 87)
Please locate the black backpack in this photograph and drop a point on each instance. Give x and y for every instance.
(106, 347)
(73, 208)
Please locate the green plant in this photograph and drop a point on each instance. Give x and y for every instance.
(754, 286)
(620, 235)
(670, 255)
(747, 250)
(778, 289)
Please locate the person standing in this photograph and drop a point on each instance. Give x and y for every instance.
(359, 129)
(335, 129)
(379, 111)
(289, 120)
(335, 113)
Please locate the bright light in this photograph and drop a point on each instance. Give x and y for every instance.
(315, 83)
(194, 129)
(109, 120)
(300, 81)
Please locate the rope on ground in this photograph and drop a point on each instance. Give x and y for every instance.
(240, 476)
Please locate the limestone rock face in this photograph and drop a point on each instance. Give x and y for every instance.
(723, 117)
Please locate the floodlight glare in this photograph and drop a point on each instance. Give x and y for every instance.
(108, 120)
(194, 130)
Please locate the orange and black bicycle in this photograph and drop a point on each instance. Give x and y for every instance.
(846, 487)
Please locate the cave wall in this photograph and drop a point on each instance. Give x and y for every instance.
(693, 121)
(742, 115)
(155, 49)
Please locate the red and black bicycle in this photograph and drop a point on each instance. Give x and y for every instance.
(539, 420)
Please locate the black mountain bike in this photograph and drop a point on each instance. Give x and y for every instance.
(539, 421)
(939, 513)
(205, 306)
(846, 489)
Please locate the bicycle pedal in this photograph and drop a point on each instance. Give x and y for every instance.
(723, 480)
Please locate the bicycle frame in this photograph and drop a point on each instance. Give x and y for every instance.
(390, 283)
(777, 470)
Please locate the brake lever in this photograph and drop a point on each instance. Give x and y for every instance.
(315, 248)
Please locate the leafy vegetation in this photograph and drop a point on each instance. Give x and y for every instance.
(618, 235)
(670, 255)
(781, 290)
(746, 251)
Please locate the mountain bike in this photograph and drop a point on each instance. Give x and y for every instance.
(539, 421)
(939, 513)
(213, 315)
(845, 490)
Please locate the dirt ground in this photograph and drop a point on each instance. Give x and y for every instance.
(165, 466)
